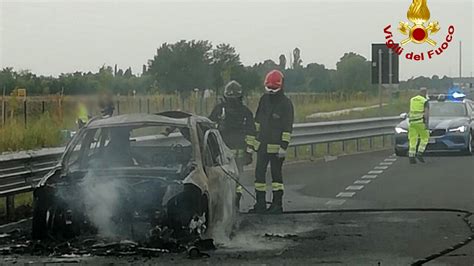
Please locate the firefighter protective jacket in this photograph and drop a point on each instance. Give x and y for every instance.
(235, 123)
(274, 122)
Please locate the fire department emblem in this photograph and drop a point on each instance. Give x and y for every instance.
(420, 28)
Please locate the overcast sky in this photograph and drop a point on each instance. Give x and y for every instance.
(53, 37)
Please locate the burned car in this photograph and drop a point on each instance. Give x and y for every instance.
(139, 176)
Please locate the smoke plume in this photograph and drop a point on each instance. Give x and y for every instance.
(101, 202)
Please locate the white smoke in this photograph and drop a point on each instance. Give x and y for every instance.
(101, 201)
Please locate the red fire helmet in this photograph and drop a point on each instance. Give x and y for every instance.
(273, 81)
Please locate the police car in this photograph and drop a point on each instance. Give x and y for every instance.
(451, 125)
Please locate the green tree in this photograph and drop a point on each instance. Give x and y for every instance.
(182, 66)
(353, 73)
(128, 73)
(225, 61)
(282, 62)
(294, 80)
(7, 79)
(297, 62)
(105, 77)
(263, 68)
(318, 78)
(247, 77)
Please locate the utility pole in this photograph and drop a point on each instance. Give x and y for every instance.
(380, 78)
(460, 60)
(390, 74)
(3, 106)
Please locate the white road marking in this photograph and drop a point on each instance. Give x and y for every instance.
(369, 176)
(362, 182)
(337, 202)
(354, 187)
(365, 179)
(345, 195)
(375, 172)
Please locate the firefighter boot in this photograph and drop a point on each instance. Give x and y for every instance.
(277, 203)
(412, 160)
(261, 205)
(420, 158)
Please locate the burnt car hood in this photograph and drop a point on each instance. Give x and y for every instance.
(441, 122)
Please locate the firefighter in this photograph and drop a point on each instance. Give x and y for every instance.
(236, 125)
(274, 124)
(418, 119)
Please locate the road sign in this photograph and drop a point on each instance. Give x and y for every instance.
(21, 93)
(388, 60)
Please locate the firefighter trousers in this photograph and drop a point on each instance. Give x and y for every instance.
(263, 158)
(417, 131)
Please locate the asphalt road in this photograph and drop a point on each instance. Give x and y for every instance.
(380, 180)
(371, 181)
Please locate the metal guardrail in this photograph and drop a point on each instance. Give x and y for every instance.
(324, 132)
(19, 172)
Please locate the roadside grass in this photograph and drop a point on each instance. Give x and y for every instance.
(394, 108)
(303, 110)
(40, 133)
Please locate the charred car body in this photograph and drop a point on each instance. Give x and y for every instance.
(139, 176)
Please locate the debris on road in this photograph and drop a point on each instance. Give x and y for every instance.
(18, 242)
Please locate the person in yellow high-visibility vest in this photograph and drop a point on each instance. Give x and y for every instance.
(82, 114)
(418, 129)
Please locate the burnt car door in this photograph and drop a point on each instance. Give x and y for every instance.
(222, 187)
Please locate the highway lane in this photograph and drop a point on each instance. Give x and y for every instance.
(378, 180)
(444, 181)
